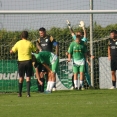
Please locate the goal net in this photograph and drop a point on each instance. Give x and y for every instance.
(11, 26)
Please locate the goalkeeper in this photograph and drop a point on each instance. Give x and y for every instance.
(83, 36)
(50, 61)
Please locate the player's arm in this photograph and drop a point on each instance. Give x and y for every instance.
(84, 30)
(87, 59)
(38, 45)
(70, 29)
(85, 53)
(37, 76)
(109, 50)
(57, 48)
(35, 65)
(14, 48)
(89, 55)
(55, 44)
(70, 52)
(109, 55)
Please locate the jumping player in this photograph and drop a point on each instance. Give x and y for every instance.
(83, 38)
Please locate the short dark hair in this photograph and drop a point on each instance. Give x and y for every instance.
(24, 35)
(78, 36)
(113, 31)
(42, 29)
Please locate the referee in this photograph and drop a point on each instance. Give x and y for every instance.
(46, 43)
(24, 48)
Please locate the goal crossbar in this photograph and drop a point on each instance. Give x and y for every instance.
(57, 11)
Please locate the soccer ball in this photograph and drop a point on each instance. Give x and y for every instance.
(54, 89)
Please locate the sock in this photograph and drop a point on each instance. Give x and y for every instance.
(28, 87)
(81, 83)
(73, 80)
(38, 86)
(76, 83)
(20, 88)
(88, 79)
(54, 85)
(51, 85)
(42, 86)
(48, 85)
(46, 77)
(114, 83)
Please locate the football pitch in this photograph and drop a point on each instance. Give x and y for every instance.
(87, 103)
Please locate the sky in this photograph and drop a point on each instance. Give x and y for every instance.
(35, 21)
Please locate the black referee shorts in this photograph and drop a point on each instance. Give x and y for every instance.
(25, 67)
(113, 64)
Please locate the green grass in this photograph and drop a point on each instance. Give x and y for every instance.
(87, 103)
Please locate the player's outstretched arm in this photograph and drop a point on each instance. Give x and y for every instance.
(70, 28)
(84, 30)
(82, 25)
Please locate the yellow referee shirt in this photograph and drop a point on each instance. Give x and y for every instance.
(24, 48)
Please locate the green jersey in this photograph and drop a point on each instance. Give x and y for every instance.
(45, 57)
(77, 50)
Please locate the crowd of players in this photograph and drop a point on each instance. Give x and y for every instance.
(39, 58)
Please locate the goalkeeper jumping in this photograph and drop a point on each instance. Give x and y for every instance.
(83, 36)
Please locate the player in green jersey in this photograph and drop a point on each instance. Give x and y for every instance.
(83, 38)
(78, 51)
(50, 61)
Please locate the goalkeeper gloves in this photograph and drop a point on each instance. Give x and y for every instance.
(82, 24)
(68, 23)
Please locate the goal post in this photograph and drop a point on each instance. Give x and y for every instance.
(58, 11)
(13, 22)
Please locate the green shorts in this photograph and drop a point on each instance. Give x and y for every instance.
(78, 69)
(55, 65)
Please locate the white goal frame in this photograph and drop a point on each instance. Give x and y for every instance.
(90, 12)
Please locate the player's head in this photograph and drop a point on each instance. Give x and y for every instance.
(42, 32)
(80, 33)
(78, 38)
(113, 34)
(24, 35)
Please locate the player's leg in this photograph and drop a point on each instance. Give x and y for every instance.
(54, 68)
(21, 79)
(40, 70)
(54, 87)
(72, 82)
(75, 71)
(29, 73)
(81, 70)
(87, 76)
(113, 73)
(21, 70)
(48, 82)
(41, 87)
